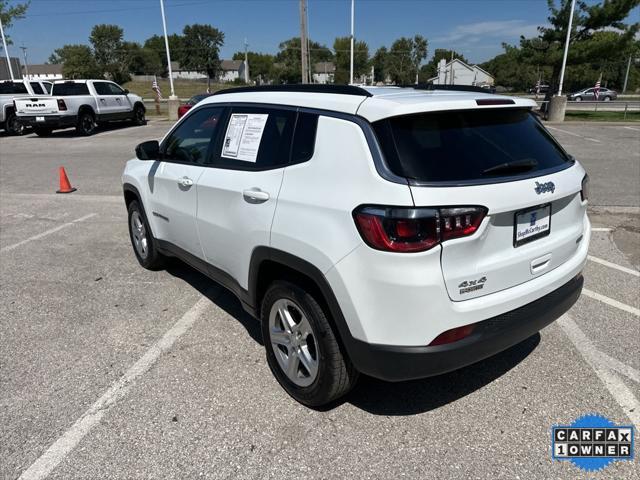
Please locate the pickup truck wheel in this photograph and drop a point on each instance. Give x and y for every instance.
(42, 132)
(86, 124)
(302, 349)
(12, 126)
(142, 241)
(139, 116)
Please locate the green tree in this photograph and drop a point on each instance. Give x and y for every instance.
(78, 61)
(156, 44)
(400, 62)
(9, 13)
(342, 49)
(200, 49)
(599, 32)
(109, 51)
(260, 65)
(418, 53)
(380, 61)
(287, 68)
(140, 60)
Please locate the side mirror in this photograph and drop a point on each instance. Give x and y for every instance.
(126, 91)
(148, 150)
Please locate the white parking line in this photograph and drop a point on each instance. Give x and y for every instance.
(573, 134)
(601, 261)
(612, 302)
(45, 233)
(64, 445)
(634, 129)
(601, 229)
(603, 369)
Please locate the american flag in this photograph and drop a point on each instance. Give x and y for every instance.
(596, 88)
(155, 87)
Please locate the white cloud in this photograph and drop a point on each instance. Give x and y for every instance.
(502, 30)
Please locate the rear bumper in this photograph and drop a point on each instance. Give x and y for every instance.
(50, 121)
(393, 363)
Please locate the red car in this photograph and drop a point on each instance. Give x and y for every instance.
(184, 108)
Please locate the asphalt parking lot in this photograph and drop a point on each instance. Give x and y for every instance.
(111, 371)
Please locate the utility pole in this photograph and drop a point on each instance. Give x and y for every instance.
(352, 40)
(566, 47)
(451, 79)
(246, 62)
(303, 42)
(626, 77)
(26, 65)
(6, 52)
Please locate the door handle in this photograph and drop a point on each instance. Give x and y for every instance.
(255, 195)
(185, 182)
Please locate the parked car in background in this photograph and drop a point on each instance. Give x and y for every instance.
(544, 88)
(13, 89)
(82, 104)
(185, 107)
(589, 95)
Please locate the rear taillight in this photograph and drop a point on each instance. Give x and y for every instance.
(453, 335)
(398, 229)
(584, 193)
(61, 105)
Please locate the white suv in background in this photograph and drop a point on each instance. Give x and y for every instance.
(394, 232)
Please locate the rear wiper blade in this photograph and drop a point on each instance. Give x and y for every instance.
(517, 165)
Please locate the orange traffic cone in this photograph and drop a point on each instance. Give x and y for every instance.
(65, 186)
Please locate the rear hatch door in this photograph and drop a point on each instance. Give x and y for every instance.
(503, 160)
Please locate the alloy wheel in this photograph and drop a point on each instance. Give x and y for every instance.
(139, 235)
(294, 342)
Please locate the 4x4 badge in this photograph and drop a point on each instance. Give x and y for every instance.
(472, 285)
(545, 187)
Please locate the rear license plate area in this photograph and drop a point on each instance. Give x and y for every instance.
(531, 224)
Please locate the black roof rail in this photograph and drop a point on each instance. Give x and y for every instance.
(455, 88)
(301, 87)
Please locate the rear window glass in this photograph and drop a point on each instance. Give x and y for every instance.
(458, 146)
(37, 89)
(68, 89)
(10, 87)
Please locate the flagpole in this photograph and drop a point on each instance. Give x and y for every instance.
(566, 47)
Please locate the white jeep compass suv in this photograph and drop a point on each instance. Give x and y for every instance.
(394, 232)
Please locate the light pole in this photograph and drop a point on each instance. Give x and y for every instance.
(26, 64)
(566, 47)
(352, 41)
(6, 52)
(173, 99)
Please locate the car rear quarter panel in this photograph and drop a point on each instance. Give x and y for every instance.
(313, 218)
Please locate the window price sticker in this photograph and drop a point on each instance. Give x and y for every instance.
(244, 133)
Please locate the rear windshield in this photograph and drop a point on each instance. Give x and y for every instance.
(459, 146)
(11, 87)
(68, 89)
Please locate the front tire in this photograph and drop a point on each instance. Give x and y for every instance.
(144, 245)
(578, 99)
(86, 124)
(139, 115)
(301, 347)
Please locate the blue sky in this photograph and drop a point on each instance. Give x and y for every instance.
(476, 28)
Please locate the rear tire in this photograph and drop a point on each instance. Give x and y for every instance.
(607, 99)
(302, 349)
(139, 116)
(12, 126)
(145, 247)
(42, 132)
(86, 124)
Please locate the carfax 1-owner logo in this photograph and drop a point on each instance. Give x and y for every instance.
(592, 442)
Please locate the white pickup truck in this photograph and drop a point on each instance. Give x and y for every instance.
(11, 89)
(82, 104)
